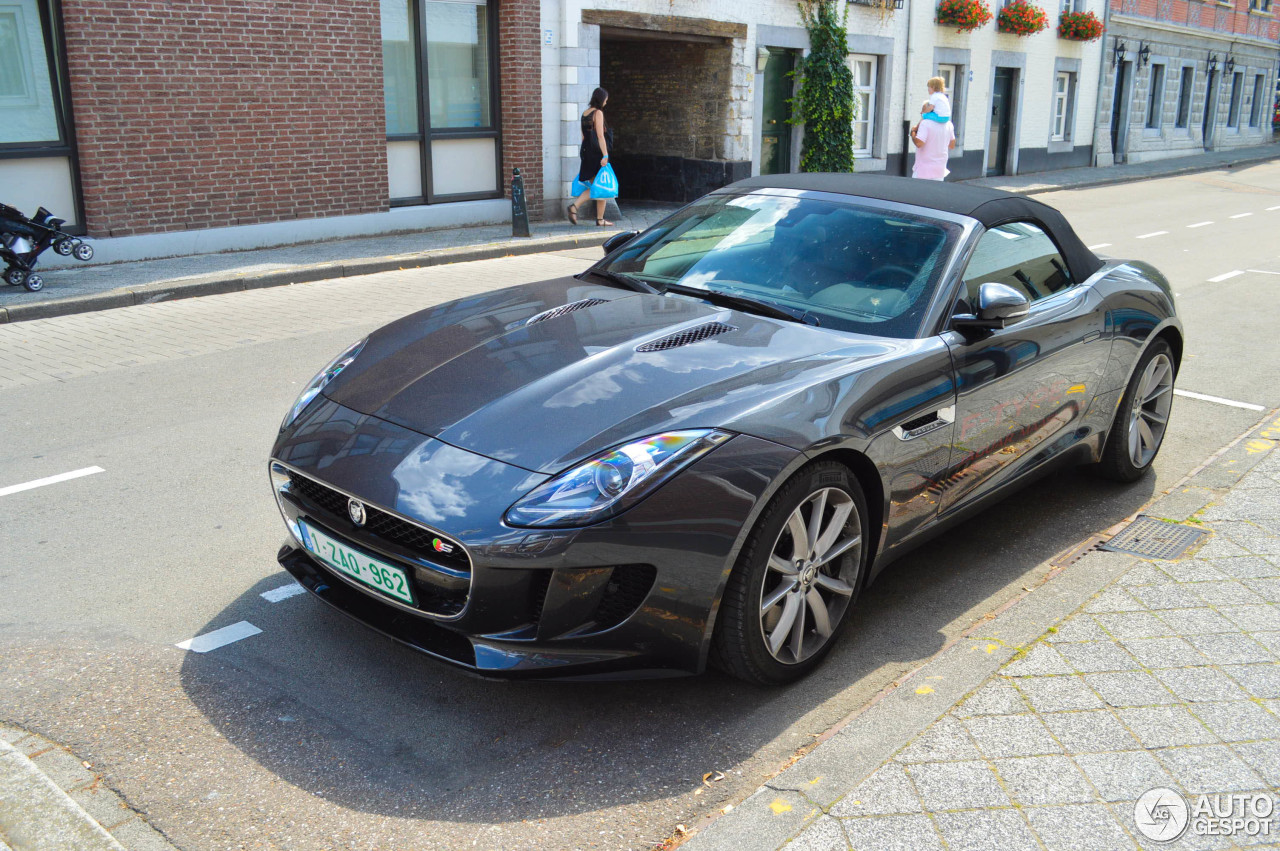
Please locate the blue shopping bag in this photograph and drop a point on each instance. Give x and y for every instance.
(605, 185)
(579, 187)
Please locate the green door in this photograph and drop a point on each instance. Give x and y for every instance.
(775, 132)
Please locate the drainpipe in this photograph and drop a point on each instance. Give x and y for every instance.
(905, 168)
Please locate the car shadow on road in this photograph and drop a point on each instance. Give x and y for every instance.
(337, 710)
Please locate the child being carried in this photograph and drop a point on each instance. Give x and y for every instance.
(938, 108)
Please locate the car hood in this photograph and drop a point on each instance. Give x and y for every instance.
(479, 374)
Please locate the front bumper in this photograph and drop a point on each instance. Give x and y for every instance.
(632, 596)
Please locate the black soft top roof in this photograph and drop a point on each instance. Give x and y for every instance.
(991, 207)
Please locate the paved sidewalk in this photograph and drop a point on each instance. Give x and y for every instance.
(52, 801)
(1169, 677)
(82, 288)
(1079, 178)
(78, 288)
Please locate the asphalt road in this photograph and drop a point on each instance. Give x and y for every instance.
(318, 734)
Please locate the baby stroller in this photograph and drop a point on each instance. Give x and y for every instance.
(23, 240)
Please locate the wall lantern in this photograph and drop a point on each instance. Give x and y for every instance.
(762, 59)
(1212, 63)
(1117, 55)
(1144, 54)
(1230, 65)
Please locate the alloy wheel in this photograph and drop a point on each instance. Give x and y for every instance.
(1150, 414)
(805, 590)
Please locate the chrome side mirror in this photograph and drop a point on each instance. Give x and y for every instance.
(998, 305)
(618, 240)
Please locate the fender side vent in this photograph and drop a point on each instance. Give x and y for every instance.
(687, 337)
(563, 310)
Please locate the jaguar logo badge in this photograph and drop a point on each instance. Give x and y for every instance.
(355, 508)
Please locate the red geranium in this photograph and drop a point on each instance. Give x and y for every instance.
(1079, 26)
(1022, 18)
(964, 15)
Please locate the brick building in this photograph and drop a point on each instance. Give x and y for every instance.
(1185, 76)
(166, 124)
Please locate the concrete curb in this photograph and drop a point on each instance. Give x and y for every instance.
(228, 282)
(845, 755)
(51, 801)
(35, 815)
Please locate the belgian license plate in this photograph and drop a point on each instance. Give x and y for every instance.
(377, 574)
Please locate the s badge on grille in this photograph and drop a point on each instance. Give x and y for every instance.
(355, 508)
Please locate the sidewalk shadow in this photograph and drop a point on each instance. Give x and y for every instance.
(337, 710)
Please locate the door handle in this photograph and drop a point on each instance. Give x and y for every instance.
(773, 121)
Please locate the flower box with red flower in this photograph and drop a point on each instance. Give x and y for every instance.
(1021, 18)
(964, 15)
(1079, 26)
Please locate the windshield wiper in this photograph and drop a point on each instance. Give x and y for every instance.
(622, 280)
(746, 303)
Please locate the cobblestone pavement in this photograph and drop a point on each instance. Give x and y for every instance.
(1167, 678)
(95, 342)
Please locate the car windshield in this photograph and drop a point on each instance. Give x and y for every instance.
(848, 266)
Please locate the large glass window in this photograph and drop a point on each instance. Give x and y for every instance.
(28, 100)
(458, 63)
(1184, 97)
(849, 266)
(438, 88)
(864, 98)
(399, 68)
(37, 157)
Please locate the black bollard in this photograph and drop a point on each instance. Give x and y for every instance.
(907, 149)
(519, 210)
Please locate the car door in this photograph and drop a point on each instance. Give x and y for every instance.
(1022, 390)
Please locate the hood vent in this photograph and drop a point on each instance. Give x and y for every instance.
(686, 337)
(562, 310)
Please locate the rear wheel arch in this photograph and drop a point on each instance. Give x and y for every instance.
(1171, 336)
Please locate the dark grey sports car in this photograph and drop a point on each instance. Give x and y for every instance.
(702, 448)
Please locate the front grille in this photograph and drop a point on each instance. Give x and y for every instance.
(686, 337)
(379, 523)
(438, 567)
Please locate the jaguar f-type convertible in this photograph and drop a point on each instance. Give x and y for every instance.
(702, 448)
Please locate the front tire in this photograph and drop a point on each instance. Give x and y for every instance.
(1142, 418)
(796, 578)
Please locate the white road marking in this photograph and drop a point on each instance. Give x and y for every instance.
(1262, 272)
(1219, 400)
(219, 637)
(1099, 245)
(1269, 209)
(1153, 233)
(1199, 224)
(50, 480)
(284, 592)
(1239, 215)
(1220, 278)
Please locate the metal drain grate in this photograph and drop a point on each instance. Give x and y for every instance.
(1152, 538)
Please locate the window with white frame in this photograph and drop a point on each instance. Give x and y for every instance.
(864, 98)
(1063, 90)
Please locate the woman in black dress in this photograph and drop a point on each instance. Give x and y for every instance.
(597, 140)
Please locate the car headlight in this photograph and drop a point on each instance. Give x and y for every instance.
(323, 377)
(613, 481)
